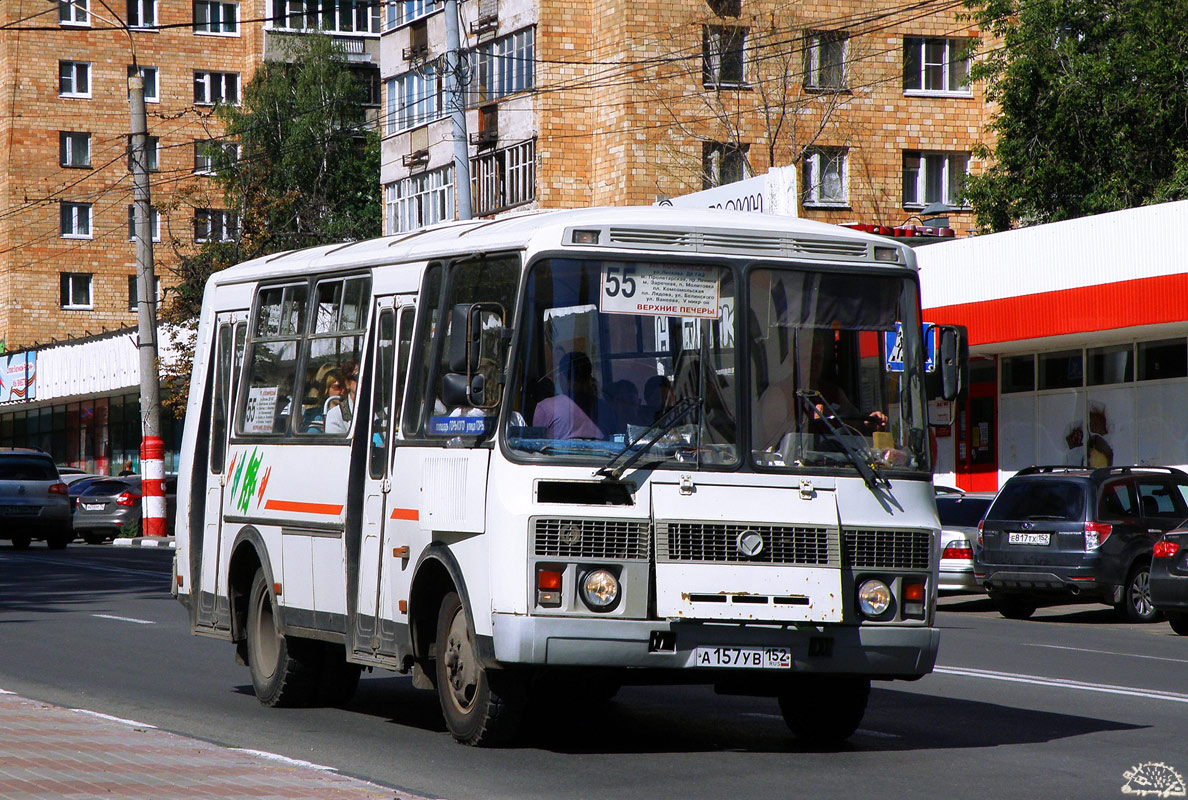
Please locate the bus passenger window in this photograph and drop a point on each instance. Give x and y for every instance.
(333, 354)
(272, 368)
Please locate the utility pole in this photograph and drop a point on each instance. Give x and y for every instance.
(152, 448)
(456, 103)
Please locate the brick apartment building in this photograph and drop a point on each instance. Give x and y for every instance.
(600, 103)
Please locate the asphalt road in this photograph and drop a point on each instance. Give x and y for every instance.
(1062, 705)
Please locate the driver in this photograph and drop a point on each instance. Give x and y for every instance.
(568, 414)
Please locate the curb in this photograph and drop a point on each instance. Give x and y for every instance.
(146, 541)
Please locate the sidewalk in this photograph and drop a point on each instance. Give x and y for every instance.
(57, 753)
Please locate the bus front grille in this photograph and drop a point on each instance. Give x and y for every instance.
(888, 549)
(591, 538)
(720, 543)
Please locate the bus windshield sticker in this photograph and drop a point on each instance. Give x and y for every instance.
(460, 426)
(261, 409)
(659, 290)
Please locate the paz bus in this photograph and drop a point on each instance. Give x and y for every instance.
(566, 451)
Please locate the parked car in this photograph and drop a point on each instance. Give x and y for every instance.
(1169, 578)
(33, 501)
(111, 506)
(1064, 533)
(959, 513)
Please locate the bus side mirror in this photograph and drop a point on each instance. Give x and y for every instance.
(476, 340)
(954, 362)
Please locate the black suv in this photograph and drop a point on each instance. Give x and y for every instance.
(1070, 532)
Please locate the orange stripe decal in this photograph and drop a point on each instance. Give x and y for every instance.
(406, 513)
(303, 508)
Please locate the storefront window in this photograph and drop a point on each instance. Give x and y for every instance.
(1167, 358)
(1063, 370)
(1018, 374)
(1113, 364)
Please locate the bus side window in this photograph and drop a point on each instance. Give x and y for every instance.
(333, 355)
(381, 382)
(423, 350)
(407, 316)
(222, 383)
(278, 324)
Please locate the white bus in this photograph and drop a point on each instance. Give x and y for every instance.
(566, 451)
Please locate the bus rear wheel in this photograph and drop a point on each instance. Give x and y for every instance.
(481, 708)
(284, 669)
(824, 710)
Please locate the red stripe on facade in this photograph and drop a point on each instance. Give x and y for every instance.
(1106, 306)
(299, 507)
(406, 513)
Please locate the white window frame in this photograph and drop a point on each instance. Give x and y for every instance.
(66, 286)
(70, 143)
(714, 41)
(152, 83)
(946, 61)
(154, 220)
(152, 153)
(402, 12)
(75, 220)
(815, 56)
(816, 167)
(133, 281)
(420, 200)
(69, 74)
(217, 22)
(503, 67)
(354, 17)
(142, 14)
(74, 13)
(218, 224)
(413, 99)
(207, 81)
(932, 169)
(203, 163)
(713, 154)
(504, 178)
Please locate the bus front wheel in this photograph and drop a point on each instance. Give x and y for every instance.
(284, 669)
(824, 710)
(481, 707)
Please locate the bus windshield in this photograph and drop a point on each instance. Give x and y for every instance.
(608, 347)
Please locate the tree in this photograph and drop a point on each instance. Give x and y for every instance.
(298, 166)
(1092, 111)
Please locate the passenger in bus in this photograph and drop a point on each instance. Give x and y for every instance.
(338, 417)
(658, 396)
(624, 408)
(569, 413)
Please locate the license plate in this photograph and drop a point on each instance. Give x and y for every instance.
(92, 506)
(18, 511)
(745, 657)
(1028, 538)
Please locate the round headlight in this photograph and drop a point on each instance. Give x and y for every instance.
(600, 590)
(874, 598)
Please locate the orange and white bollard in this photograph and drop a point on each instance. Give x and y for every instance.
(152, 486)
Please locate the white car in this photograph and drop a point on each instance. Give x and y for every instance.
(959, 512)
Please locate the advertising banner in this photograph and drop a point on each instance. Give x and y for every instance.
(18, 376)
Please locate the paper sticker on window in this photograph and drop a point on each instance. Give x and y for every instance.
(660, 290)
(261, 409)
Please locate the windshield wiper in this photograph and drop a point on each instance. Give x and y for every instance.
(870, 473)
(666, 422)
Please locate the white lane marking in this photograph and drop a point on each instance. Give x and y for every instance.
(5, 691)
(125, 619)
(1040, 680)
(133, 723)
(293, 762)
(94, 567)
(1108, 652)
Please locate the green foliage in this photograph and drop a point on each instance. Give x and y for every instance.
(1092, 108)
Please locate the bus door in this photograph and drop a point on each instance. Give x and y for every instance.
(230, 330)
(393, 337)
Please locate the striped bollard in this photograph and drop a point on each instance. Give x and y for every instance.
(152, 485)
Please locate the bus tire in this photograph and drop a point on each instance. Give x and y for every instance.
(481, 708)
(284, 668)
(824, 710)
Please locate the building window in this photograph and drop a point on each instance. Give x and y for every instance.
(1018, 374)
(142, 13)
(209, 153)
(1062, 370)
(216, 87)
(504, 178)
(74, 12)
(133, 294)
(74, 79)
(332, 16)
(74, 149)
(936, 66)
(368, 79)
(150, 153)
(1106, 365)
(933, 178)
(1166, 358)
(75, 290)
(76, 220)
(722, 164)
(420, 200)
(414, 98)
(215, 225)
(824, 177)
(825, 60)
(402, 12)
(722, 55)
(154, 221)
(505, 66)
(215, 17)
(152, 83)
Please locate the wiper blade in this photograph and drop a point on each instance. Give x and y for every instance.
(669, 420)
(871, 474)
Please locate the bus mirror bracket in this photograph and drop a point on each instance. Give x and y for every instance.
(954, 362)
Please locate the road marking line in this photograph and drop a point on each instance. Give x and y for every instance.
(125, 619)
(5, 691)
(1039, 680)
(110, 718)
(1109, 652)
(295, 762)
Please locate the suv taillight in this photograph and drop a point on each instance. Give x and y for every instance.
(981, 522)
(57, 488)
(1096, 533)
(127, 499)
(1166, 549)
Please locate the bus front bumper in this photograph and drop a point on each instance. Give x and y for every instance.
(878, 651)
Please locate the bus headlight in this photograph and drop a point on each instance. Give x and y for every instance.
(600, 590)
(874, 598)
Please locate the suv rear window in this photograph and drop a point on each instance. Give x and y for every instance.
(106, 487)
(961, 512)
(27, 468)
(1043, 499)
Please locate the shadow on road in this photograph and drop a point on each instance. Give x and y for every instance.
(43, 580)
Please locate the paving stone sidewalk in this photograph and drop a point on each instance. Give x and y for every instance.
(53, 753)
